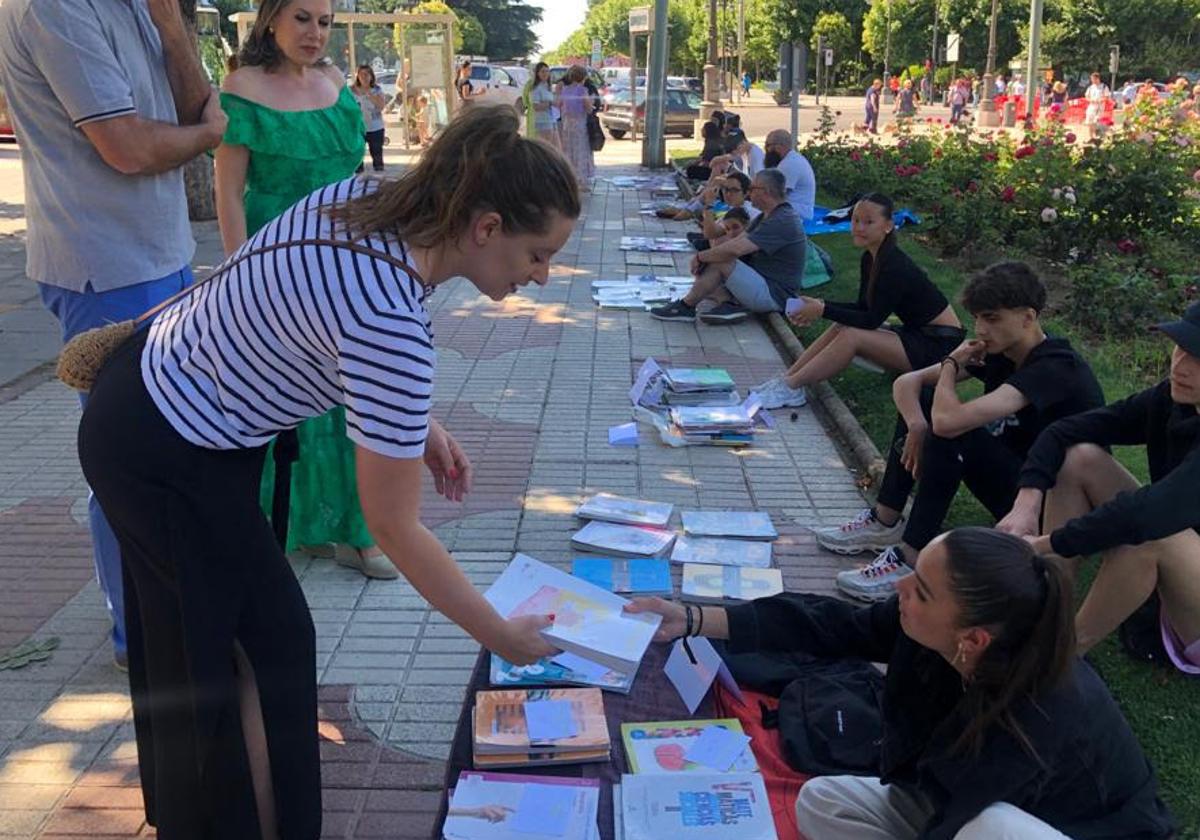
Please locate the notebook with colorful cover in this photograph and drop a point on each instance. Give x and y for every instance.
(695, 806)
(748, 553)
(623, 540)
(499, 721)
(550, 672)
(698, 379)
(512, 806)
(622, 510)
(588, 621)
(714, 584)
(741, 524)
(660, 746)
(633, 576)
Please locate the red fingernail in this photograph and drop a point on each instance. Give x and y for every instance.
(453, 472)
(551, 616)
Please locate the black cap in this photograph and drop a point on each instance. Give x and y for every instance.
(1186, 331)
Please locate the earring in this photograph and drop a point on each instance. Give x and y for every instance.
(959, 655)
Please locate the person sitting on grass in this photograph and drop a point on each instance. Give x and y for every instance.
(1146, 535)
(992, 726)
(732, 195)
(755, 272)
(889, 283)
(732, 225)
(1029, 381)
(743, 156)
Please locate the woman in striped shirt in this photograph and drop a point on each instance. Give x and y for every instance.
(221, 641)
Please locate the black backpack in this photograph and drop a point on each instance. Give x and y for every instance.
(830, 720)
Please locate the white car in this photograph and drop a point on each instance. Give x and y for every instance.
(502, 87)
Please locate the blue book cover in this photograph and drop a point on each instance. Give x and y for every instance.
(635, 576)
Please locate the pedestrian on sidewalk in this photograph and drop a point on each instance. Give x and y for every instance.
(222, 650)
(110, 101)
(294, 126)
(871, 106)
(540, 121)
(371, 102)
(576, 103)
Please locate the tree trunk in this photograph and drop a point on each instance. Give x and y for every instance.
(198, 182)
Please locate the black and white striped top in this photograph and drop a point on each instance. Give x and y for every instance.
(288, 335)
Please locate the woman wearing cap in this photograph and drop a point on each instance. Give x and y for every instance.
(1147, 536)
(323, 307)
(992, 727)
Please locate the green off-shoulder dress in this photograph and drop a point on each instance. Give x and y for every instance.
(293, 153)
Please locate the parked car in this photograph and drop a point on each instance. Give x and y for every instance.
(502, 88)
(682, 111)
(6, 128)
(686, 83)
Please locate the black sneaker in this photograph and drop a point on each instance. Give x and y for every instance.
(1141, 633)
(725, 313)
(676, 310)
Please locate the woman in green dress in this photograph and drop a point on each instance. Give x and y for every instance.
(294, 127)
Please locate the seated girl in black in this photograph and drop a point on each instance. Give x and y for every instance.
(992, 727)
(890, 283)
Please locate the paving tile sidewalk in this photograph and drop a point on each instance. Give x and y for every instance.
(530, 386)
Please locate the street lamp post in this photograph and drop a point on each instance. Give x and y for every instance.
(987, 107)
(741, 45)
(887, 56)
(712, 96)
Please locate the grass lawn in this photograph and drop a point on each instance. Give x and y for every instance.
(1162, 705)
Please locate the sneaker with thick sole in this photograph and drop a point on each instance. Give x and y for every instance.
(862, 533)
(674, 311)
(876, 581)
(371, 562)
(780, 395)
(725, 313)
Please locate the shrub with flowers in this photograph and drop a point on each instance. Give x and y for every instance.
(1044, 193)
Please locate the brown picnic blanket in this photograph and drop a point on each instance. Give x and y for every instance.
(652, 698)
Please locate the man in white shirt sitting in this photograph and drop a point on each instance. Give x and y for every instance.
(797, 172)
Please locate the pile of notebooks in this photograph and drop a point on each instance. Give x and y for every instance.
(531, 727)
(511, 806)
(623, 527)
(659, 244)
(692, 406)
(726, 555)
(727, 425)
(639, 291)
(659, 389)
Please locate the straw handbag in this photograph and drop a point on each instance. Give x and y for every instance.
(83, 356)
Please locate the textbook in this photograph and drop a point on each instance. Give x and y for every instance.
(660, 746)
(622, 510)
(754, 554)
(744, 524)
(715, 584)
(623, 540)
(655, 243)
(635, 576)
(557, 671)
(501, 726)
(683, 380)
(588, 621)
(694, 806)
(524, 807)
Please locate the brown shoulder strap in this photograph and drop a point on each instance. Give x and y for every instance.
(237, 259)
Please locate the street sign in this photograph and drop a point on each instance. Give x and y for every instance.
(640, 20)
(952, 41)
(596, 57)
(828, 58)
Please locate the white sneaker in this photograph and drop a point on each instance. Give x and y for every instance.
(767, 385)
(862, 533)
(779, 395)
(371, 562)
(877, 581)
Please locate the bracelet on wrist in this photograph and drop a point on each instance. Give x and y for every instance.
(700, 621)
(688, 629)
(953, 361)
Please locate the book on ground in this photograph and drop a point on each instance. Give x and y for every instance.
(661, 746)
(607, 507)
(623, 540)
(713, 584)
(501, 721)
(683, 806)
(588, 621)
(743, 524)
(633, 576)
(749, 553)
(698, 379)
(558, 671)
(511, 806)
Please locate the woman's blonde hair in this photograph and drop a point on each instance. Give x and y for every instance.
(479, 163)
(576, 74)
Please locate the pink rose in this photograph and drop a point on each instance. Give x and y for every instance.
(1070, 138)
(1008, 194)
(1024, 152)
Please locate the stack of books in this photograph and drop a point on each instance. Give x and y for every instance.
(687, 806)
(511, 806)
(739, 524)
(639, 291)
(563, 669)
(622, 510)
(707, 584)
(589, 622)
(656, 243)
(663, 746)
(729, 425)
(727, 556)
(635, 576)
(502, 722)
(752, 554)
(623, 540)
(698, 386)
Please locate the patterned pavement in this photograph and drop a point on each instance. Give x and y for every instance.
(530, 387)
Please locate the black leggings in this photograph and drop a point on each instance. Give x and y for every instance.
(988, 467)
(375, 146)
(202, 570)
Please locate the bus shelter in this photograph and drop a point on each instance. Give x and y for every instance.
(419, 49)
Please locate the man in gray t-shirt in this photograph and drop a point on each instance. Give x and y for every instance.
(755, 272)
(108, 100)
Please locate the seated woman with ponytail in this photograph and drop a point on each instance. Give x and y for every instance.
(890, 283)
(992, 727)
